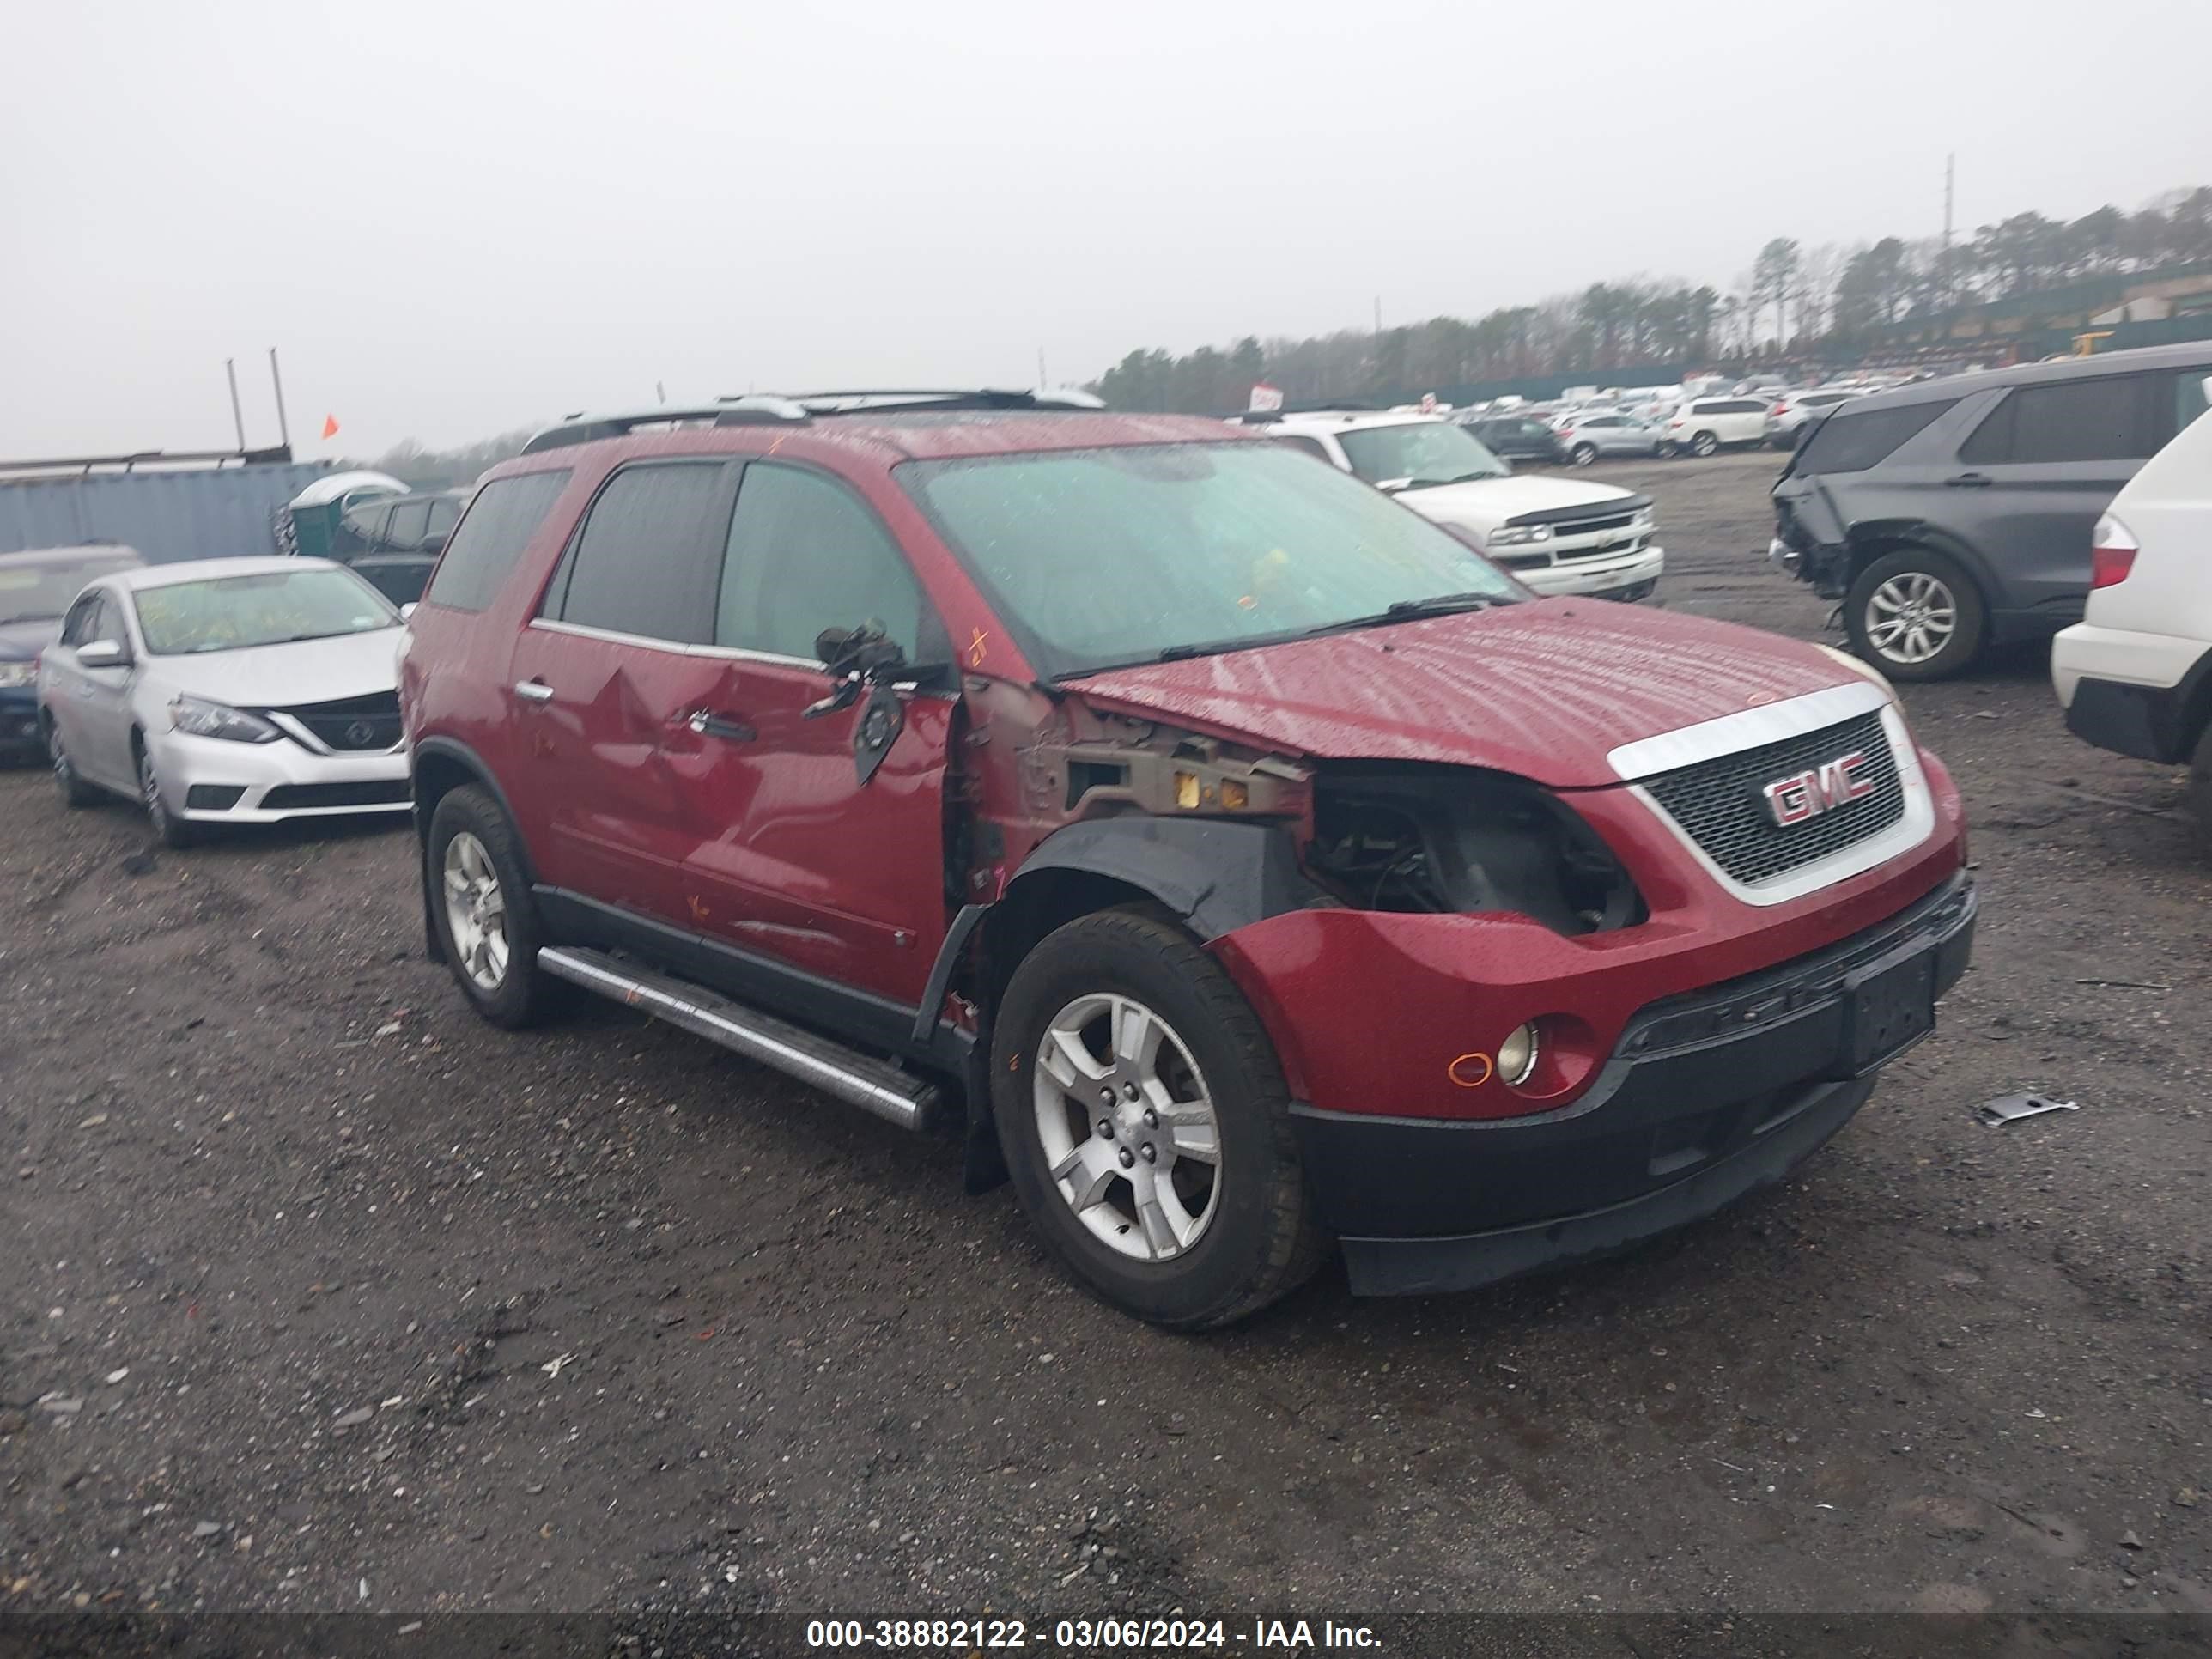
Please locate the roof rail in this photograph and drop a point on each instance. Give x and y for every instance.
(579, 427)
(767, 409)
(878, 400)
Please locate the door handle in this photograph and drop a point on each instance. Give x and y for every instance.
(534, 690)
(706, 723)
(1969, 481)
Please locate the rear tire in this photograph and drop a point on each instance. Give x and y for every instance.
(1191, 1217)
(479, 896)
(1915, 615)
(76, 793)
(1583, 454)
(1667, 449)
(2199, 793)
(1705, 444)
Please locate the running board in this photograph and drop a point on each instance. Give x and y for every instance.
(873, 1086)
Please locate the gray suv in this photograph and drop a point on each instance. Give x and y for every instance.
(1956, 514)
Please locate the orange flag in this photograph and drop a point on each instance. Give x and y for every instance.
(330, 425)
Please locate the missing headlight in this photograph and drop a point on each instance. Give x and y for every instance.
(1441, 839)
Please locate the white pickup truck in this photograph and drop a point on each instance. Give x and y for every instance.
(1557, 535)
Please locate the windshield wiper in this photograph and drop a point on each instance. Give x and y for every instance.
(1436, 604)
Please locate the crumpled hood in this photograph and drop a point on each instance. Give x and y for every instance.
(1545, 689)
(281, 676)
(1483, 504)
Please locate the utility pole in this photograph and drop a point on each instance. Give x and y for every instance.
(283, 429)
(1950, 180)
(1042, 382)
(1379, 316)
(237, 416)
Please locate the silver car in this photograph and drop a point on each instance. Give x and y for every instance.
(228, 691)
(1594, 433)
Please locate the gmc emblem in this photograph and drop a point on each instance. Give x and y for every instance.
(1807, 795)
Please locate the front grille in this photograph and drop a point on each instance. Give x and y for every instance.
(1617, 544)
(1592, 526)
(380, 792)
(1719, 806)
(352, 724)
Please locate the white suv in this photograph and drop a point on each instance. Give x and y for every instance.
(2135, 673)
(1706, 424)
(1557, 535)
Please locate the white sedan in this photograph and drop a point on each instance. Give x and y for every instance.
(228, 691)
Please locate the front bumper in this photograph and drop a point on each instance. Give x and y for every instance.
(210, 780)
(1706, 1097)
(1604, 577)
(19, 720)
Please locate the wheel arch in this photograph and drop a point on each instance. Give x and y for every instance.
(440, 766)
(1878, 538)
(1211, 875)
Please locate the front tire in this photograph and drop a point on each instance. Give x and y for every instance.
(1583, 454)
(488, 926)
(1667, 449)
(1915, 615)
(171, 830)
(1146, 1125)
(76, 793)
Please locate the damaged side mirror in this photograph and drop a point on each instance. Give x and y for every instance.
(863, 662)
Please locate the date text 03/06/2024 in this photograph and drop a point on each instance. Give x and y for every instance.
(1084, 1635)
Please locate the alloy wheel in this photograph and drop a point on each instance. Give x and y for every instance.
(475, 912)
(1127, 1127)
(1911, 617)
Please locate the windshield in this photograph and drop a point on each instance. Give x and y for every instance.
(232, 613)
(1426, 451)
(41, 591)
(1096, 557)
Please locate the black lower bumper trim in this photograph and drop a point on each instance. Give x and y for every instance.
(1696, 1082)
(2146, 721)
(1417, 1267)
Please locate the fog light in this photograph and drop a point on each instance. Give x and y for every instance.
(1516, 1056)
(1235, 796)
(1185, 785)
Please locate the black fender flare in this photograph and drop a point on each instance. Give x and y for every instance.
(1218, 874)
(451, 749)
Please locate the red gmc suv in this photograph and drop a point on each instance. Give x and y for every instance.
(1242, 862)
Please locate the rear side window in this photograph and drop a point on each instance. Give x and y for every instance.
(2101, 420)
(444, 514)
(409, 522)
(2193, 391)
(499, 524)
(641, 564)
(1853, 439)
(805, 555)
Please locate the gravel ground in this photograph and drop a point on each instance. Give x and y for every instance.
(319, 1293)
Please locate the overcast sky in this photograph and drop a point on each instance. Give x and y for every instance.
(453, 219)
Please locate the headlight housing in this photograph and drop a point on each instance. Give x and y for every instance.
(1645, 519)
(202, 719)
(18, 673)
(1517, 535)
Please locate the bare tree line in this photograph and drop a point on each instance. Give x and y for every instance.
(1796, 300)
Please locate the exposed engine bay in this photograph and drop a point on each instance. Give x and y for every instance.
(1439, 838)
